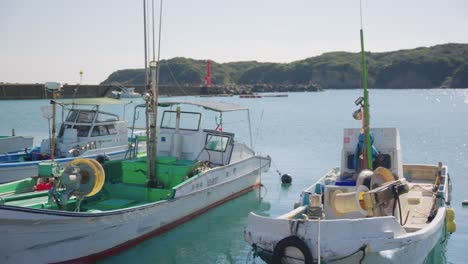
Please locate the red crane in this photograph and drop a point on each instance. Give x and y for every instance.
(208, 74)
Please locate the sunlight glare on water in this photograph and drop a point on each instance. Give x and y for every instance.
(303, 135)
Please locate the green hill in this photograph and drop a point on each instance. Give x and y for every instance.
(438, 66)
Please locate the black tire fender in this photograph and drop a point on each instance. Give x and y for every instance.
(291, 241)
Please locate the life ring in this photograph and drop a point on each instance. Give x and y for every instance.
(291, 242)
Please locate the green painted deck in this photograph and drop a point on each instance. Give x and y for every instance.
(125, 186)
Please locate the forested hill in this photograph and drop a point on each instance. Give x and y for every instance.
(438, 66)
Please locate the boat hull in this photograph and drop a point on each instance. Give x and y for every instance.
(381, 239)
(346, 241)
(31, 235)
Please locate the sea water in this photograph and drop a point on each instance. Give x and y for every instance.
(303, 133)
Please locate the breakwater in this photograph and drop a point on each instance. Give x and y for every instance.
(38, 91)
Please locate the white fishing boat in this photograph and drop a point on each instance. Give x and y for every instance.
(373, 209)
(85, 131)
(197, 169)
(126, 92)
(93, 210)
(12, 144)
(396, 214)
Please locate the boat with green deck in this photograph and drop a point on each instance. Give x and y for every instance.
(95, 210)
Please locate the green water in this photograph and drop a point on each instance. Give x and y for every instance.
(303, 134)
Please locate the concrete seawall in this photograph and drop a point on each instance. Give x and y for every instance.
(38, 91)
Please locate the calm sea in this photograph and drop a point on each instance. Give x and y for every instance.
(303, 135)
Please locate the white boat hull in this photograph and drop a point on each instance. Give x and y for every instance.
(343, 241)
(15, 143)
(44, 236)
(21, 170)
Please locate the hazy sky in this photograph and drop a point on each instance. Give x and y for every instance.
(52, 40)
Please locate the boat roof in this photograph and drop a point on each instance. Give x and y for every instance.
(214, 106)
(92, 101)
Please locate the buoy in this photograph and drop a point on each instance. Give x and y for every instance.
(451, 227)
(465, 202)
(286, 179)
(102, 158)
(450, 217)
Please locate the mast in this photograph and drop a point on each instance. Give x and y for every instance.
(152, 108)
(367, 153)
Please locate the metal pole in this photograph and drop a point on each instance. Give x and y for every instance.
(52, 145)
(153, 119)
(368, 154)
(250, 129)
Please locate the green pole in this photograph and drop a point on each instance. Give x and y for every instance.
(366, 128)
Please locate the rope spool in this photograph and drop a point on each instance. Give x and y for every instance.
(92, 177)
(381, 175)
(349, 202)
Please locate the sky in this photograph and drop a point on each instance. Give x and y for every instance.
(52, 40)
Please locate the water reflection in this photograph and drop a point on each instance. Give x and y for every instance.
(213, 237)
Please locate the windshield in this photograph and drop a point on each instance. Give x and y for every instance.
(188, 120)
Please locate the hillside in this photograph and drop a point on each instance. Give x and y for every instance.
(438, 66)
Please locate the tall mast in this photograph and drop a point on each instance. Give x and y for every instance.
(367, 154)
(152, 107)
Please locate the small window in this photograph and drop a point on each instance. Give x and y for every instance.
(188, 120)
(62, 129)
(82, 131)
(216, 142)
(85, 117)
(103, 130)
(72, 116)
(111, 129)
(106, 118)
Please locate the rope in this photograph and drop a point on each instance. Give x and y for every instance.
(266, 191)
(362, 248)
(178, 86)
(258, 129)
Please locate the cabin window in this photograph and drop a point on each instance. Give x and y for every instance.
(188, 120)
(106, 118)
(62, 129)
(111, 129)
(216, 142)
(72, 116)
(103, 130)
(383, 160)
(85, 117)
(82, 131)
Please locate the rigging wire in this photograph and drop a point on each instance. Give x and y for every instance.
(146, 42)
(360, 11)
(166, 63)
(152, 17)
(258, 129)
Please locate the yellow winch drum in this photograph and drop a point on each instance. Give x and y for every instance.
(91, 180)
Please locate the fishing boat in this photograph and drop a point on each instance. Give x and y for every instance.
(85, 131)
(13, 144)
(373, 209)
(93, 210)
(126, 92)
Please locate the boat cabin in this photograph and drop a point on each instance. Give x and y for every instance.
(182, 136)
(386, 151)
(87, 128)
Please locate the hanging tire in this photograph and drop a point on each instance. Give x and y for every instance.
(291, 242)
